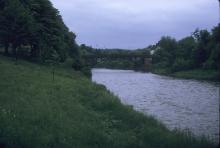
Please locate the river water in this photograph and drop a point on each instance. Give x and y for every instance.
(188, 105)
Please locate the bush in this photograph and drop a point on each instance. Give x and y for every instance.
(181, 64)
(209, 64)
(77, 64)
(87, 71)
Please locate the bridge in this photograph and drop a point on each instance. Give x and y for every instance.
(144, 61)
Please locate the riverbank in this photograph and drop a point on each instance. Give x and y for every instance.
(198, 74)
(71, 111)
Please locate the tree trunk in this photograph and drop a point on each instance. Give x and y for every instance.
(34, 51)
(6, 48)
(14, 50)
(53, 75)
(53, 72)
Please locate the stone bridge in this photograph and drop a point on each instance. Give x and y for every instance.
(144, 60)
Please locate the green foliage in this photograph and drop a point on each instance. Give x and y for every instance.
(15, 24)
(35, 24)
(77, 64)
(114, 58)
(199, 51)
(165, 53)
(199, 74)
(53, 61)
(215, 57)
(87, 71)
(36, 112)
(161, 58)
(185, 47)
(181, 64)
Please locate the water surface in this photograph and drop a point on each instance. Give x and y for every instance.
(184, 104)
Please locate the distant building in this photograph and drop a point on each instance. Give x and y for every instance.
(154, 50)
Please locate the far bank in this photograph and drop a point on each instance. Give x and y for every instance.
(197, 74)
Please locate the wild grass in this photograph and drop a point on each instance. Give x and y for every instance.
(73, 112)
(198, 74)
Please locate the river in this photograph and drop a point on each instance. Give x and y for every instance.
(187, 105)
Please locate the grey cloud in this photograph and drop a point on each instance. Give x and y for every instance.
(135, 23)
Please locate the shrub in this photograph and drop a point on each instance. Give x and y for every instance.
(181, 64)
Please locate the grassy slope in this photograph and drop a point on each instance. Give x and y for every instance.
(198, 74)
(36, 112)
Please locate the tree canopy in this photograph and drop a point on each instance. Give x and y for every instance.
(37, 25)
(200, 50)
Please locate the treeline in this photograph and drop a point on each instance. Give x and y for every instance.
(114, 58)
(201, 50)
(34, 29)
(88, 50)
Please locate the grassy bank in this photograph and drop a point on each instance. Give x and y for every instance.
(198, 74)
(73, 112)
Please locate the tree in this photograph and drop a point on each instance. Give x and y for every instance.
(213, 61)
(216, 34)
(185, 47)
(15, 25)
(53, 61)
(202, 51)
(166, 51)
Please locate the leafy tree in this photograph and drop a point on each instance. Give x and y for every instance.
(37, 25)
(216, 34)
(161, 58)
(169, 45)
(185, 47)
(201, 53)
(165, 53)
(15, 25)
(201, 50)
(53, 61)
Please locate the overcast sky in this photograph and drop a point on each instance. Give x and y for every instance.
(134, 24)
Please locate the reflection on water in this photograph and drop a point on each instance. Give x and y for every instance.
(185, 104)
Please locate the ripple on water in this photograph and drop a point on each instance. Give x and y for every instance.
(188, 105)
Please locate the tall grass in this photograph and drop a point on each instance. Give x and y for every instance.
(198, 74)
(73, 112)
